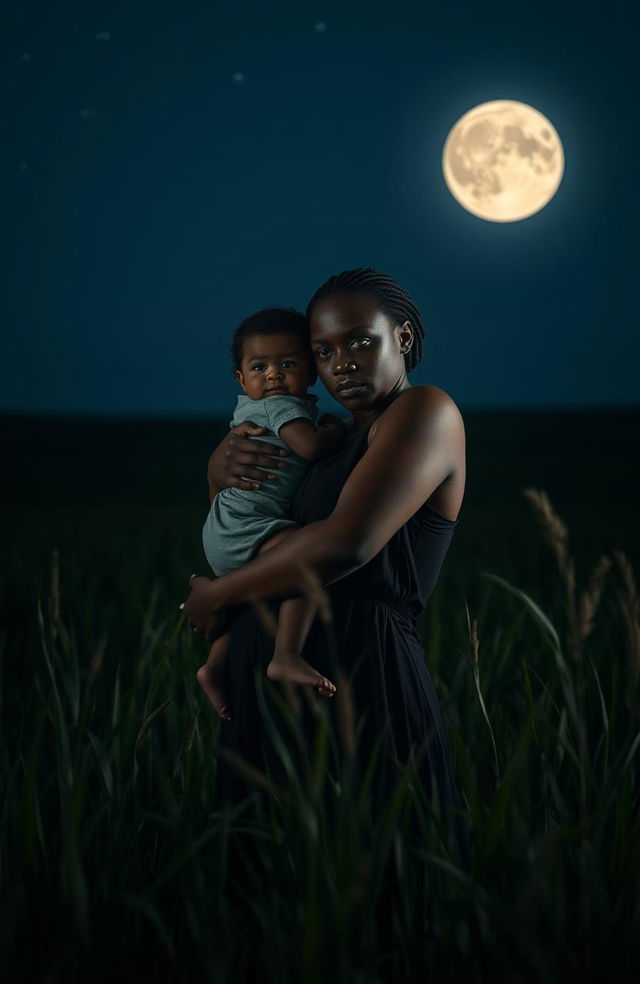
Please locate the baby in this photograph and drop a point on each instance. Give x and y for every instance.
(274, 365)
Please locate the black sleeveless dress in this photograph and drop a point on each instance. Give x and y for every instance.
(374, 639)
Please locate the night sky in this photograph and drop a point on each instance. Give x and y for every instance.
(170, 168)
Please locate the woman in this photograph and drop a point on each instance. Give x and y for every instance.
(377, 519)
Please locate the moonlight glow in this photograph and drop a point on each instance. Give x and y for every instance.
(503, 161)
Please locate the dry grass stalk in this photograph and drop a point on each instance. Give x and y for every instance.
(313, 699)
(292, 698)
(54, 595)
(630, 609)
(345, 713)
(143, 733)
(475, 649)
(185, 748)
(249, 772)
(317, 594)
(591, 597)
(474, 641)
(96, 658)
(269, 622)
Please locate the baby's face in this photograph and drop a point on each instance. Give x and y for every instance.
(275, 365)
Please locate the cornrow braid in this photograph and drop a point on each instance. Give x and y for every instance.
(390, 297)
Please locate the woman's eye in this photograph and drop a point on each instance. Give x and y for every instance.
(362, 339)
(322, 353)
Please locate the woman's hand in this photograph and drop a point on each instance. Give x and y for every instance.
(236, 461)
(201, 610)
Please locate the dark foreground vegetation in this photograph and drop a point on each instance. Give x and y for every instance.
(114, 866)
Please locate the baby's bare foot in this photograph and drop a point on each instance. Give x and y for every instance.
(213, 683)
(294, 668)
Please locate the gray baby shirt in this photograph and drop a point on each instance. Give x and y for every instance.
(241, 519)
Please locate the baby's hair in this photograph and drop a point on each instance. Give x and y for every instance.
(390, 297)
(270, 321)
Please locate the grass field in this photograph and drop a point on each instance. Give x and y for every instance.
(113, 867)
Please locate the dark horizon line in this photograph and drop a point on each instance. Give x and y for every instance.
(555, 409)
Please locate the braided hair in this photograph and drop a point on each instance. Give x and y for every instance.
(390, 297)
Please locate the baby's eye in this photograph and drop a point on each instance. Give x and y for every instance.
(288, 364)
(259, 366)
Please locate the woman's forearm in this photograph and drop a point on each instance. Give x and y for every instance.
(276, 573)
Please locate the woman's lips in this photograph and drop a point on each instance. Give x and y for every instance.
(350, 389)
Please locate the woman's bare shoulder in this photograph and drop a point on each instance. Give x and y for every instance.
(431, 397)
(420, 406)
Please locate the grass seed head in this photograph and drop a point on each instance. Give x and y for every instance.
(554, 530)
(591, 597)
(628, 599)
(556, 534)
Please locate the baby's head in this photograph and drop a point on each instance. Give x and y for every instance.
(271, 354)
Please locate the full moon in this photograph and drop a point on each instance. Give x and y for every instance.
(503, 161)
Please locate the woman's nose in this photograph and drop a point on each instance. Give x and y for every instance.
(343, 363)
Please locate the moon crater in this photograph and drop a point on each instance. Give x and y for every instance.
(503, 161)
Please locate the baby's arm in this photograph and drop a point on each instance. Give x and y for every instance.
(314, 443)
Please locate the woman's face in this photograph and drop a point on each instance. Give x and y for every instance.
(358, 350)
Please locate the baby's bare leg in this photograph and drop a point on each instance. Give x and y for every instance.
(294, 621)
(295, 618)
(212, 676)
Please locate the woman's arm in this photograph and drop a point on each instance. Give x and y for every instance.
(237, 461)
(419, 442)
